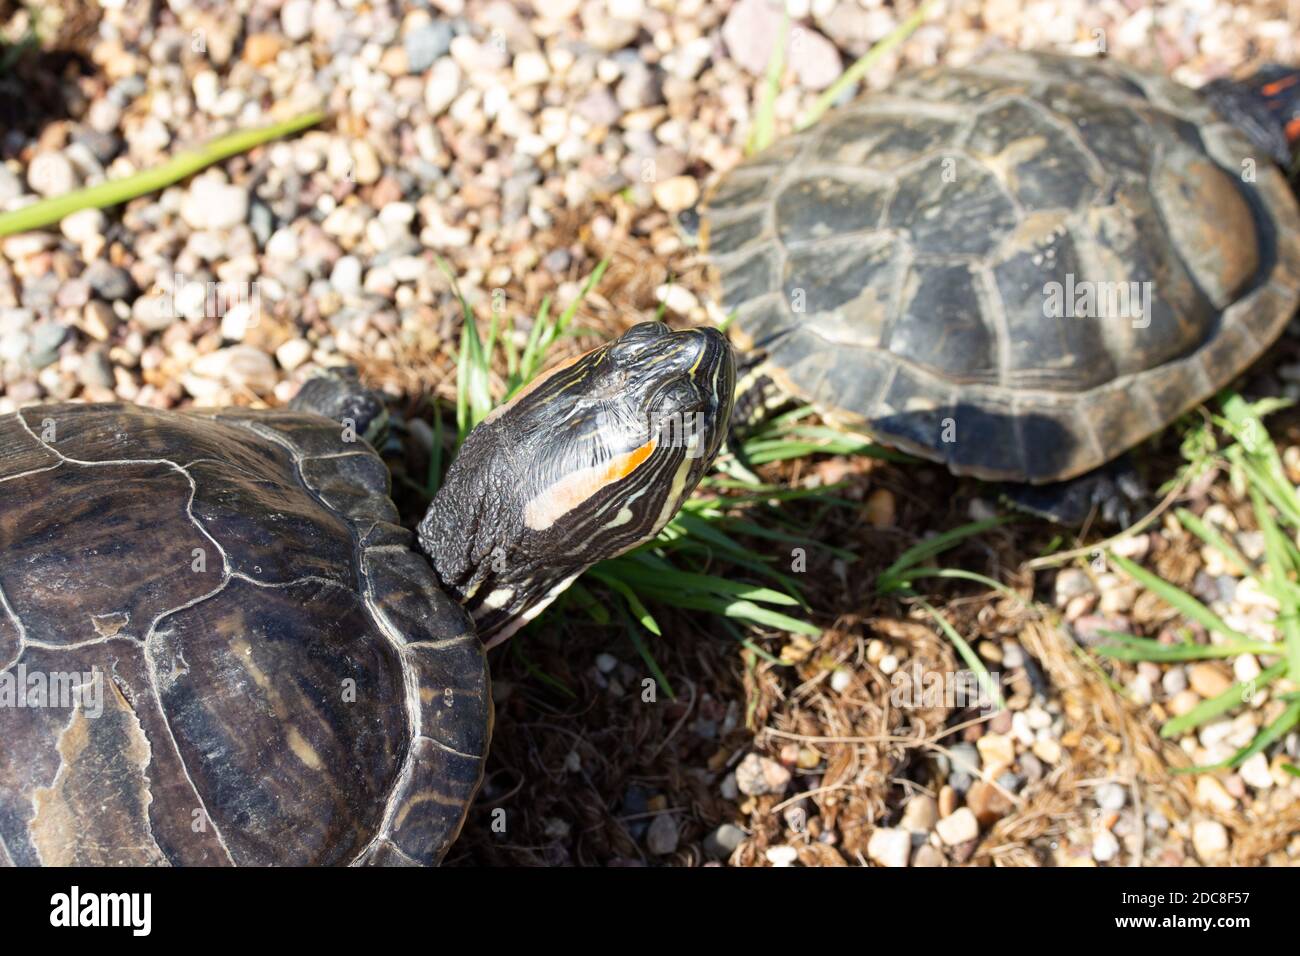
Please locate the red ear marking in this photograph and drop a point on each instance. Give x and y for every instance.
(624, 465)
(1277, 86)
(572, 490)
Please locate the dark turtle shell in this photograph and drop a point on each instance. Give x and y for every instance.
(914, 263)
(281, 679)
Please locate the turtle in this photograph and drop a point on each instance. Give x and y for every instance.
(1019, 268)
(219, 646)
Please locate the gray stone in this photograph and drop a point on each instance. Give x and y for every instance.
(425, 44)
(661, 837)
(722, 842)
(46, 339)
(109, 282)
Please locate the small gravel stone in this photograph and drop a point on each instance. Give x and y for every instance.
(293, 353)
(722, 842)
(52, 174)
(603, 31)
(959, 827)
(427, 43)
(890, 847)
(1174, 680)
(997, 752)
(728, 787)
(1209, 840)
(95, 370)
(98, 320)
(881, 509)
(11, 187)
(1255, 771)
(599, 108)
(677, 193)
(757, 775)
(1211, 793)
(661, 836)
(213, 204)
(781, 856)
(987, 802)
(83, 225)
(1111, 796)
(366, 168)
(1071, 583)
(237, 367)
(1105, 847)
(1208, 680)
(283, 245)
(530, 68)
(345, 277)
(262, 48)
(46, 339)
(295, 19)
(920, 814)
(1246, 668)
(443, 86)
(927, 855)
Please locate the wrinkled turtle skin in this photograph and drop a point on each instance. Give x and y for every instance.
(283, 681)
(892, 261)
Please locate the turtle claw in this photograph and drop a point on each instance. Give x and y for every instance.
(1114, 493)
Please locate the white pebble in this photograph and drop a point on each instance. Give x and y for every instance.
(83, 225)
(293, 353)
(1209, 839)
(213, 204)
(51, 174)
(345, 277)
(782, 855)
(1105, 847)
(890, 847)
(1255, 772)
(958, 827)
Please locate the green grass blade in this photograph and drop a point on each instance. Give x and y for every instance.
(967, 654)
(959, 574)
(1207, 710)
(1269, 735)
(930, 547)
(1130, 647)
(641, 648)
(47, 212)
(639, 612)
(1179, 600)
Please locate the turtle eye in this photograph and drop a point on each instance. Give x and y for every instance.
(677, 397)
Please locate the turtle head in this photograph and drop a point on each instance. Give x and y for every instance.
(587, 462)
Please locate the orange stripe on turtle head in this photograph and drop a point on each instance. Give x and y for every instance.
(573, 490)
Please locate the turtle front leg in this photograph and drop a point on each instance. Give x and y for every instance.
(1114, 492)
(337, 393)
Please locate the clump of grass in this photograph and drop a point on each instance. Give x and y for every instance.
(673, 570)
(1256, 468)
(48, 212)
